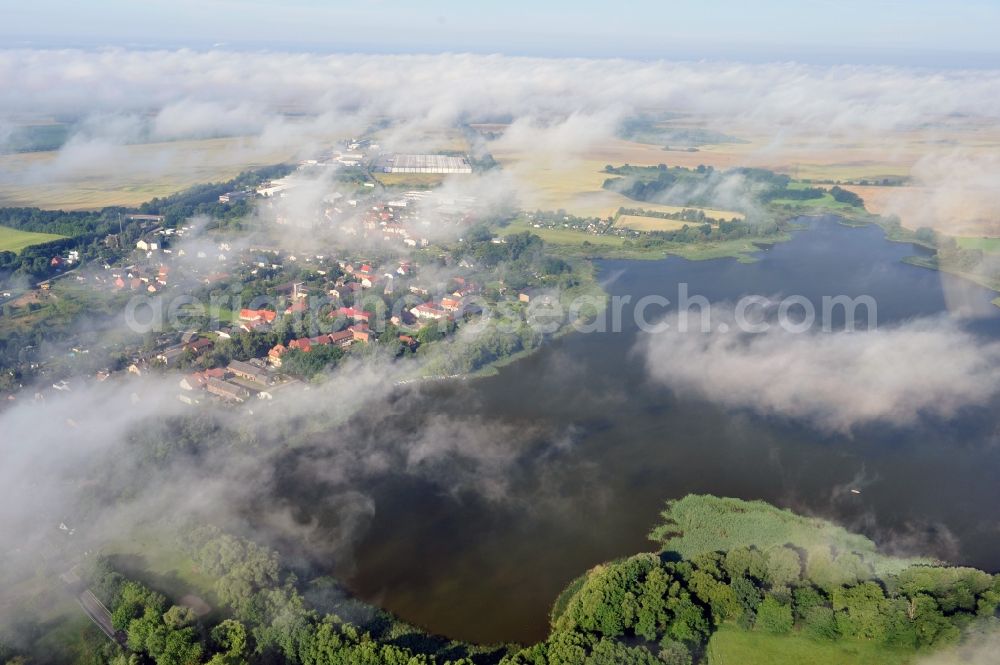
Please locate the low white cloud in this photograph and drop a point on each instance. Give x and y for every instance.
(196, 119)
(194, 91)
(835, 381)
(980, 649)
(954, 191)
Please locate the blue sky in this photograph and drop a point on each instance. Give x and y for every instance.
(923, 32)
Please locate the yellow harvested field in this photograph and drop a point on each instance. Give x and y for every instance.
(126, 175)
(953, 210)
(646, 223)
(410, 179)
(639, 223)
(573, 182)
(422, 141)
(574, 186)
(709, 212)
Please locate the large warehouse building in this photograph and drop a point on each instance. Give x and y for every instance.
(425, 164)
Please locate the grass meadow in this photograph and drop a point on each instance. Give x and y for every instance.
(14, 240)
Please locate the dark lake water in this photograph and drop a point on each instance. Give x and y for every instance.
(584, 450)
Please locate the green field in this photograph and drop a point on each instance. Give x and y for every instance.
(700, 523)
(563, 236)
(731, 646)
(826, 202)
(12, 240)
(570, 243)
(990, 245)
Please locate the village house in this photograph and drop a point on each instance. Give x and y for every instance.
(275, 354)
(226, 390)
(199, 380)
(344, 291)
(254, 315)
(305, 345)
(342, 339)
(450, 304)
(249, 372)
(429, 310)
(199, 346)
(466, 290)
(360, 333)
(170, 355)
(233, 197)
(352, 314)
(297, 307)
(253, 318)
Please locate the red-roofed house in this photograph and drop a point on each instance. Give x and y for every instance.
(199, 346)
(352, 314)
(198, 380)
(297, 307)
(274, 355)
(257, 315)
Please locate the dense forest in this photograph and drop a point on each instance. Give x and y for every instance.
(723, 564)
(658, 130)
(705, 186)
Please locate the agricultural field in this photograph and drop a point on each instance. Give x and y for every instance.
(564, 236)
(420, 141)
(730, 646)
(576, 185)
(573, 243)
(826, 203)
(418, 180)
(126, 175)
(988, 245)
(14, 240)
(646, 224)
(651, 223)
(573, 181)
(952, 209)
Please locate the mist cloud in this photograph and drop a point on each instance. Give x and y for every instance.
(834, 381)
(955, 191)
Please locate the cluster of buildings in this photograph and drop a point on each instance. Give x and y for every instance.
(432, 164)
(341, 340)
(236, 383)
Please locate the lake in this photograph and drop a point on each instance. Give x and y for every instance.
(573, 451)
